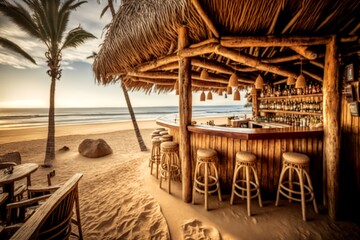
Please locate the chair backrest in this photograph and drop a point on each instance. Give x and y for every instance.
(52, 220)
(11, 157)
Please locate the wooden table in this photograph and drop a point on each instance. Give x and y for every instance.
(20, 171)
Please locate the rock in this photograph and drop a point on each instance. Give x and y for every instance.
(94, 148)
(64, 149)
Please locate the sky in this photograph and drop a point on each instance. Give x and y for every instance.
(25, 85)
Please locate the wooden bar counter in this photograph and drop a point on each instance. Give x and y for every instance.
(267, 144)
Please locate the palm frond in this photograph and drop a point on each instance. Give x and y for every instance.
(15, 48)
(104, 11)
(76, 37)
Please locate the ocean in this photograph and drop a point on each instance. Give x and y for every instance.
(32, 117)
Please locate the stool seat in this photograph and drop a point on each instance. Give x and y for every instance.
(164, 133)
(165, 138)
(169, 146)
(160, 129)
(156, 140)
(156, 131)
(245, 157)
(296, 158)
(206, 153)
(152, 135)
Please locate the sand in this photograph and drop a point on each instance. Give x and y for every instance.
(119, 199)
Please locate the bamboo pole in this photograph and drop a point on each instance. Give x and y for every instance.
(305, 52)
(185, 101)
(253, 62)
(281, 59)
(156, 63)
(331, 106)
(205, 18)
(271, 41)
(205, 42)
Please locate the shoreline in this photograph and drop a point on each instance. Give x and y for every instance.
(10, 135)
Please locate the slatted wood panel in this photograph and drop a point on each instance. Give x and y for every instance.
(268, 152)
(349, 186)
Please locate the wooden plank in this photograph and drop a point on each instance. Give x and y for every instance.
(277, 161)
(265, 164)
(260, 161)
(231, 164)
(271, 165)
(224, 151)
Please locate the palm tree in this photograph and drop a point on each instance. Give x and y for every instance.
(142, 145)
(6, 43)
(47, 21)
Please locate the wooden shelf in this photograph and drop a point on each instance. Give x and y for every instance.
(290, 112)
(291, 97)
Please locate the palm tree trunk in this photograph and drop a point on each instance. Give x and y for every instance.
(50, 144)
(133, 119)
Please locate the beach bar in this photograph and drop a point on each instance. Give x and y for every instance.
(297, 61)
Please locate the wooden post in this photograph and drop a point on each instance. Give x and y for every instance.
(185, 104)
(331, 106)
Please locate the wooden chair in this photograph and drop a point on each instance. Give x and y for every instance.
(20, 189)
(53, 219)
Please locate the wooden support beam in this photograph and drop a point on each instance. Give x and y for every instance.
(253, 62)
(305, 52)
(271, 41)
(281, 59)
(205, 42)
(192, 52)
(205, 18)
(280, 81)
(164, 82)
(168, 67)
(318, 64)
(313, 75)
(212, 65)
(154, 75)
(156, 63)
(185, 111)
(331, 108)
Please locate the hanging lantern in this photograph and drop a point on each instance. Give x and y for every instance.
(204, 74)
(259, 83)
(233, 81)
(229, 90)
(220, 92)
(236, 95)
(253, 91)
(209, 96)
(300, 81)
(202, 96)
(290, 81)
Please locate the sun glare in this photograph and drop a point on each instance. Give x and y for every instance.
(24, 103)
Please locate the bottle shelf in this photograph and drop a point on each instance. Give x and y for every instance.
(290, 112)
(291, 97)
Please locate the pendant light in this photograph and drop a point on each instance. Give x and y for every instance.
(300, 81)
(259, 83)
(233, 81)
(202, 96)
(253, 91)
(220, 92)
(204, 74)
(290, 81)
(229, 90)
(209, 96)
(237, 95)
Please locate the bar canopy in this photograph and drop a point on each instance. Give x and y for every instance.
(271, 38)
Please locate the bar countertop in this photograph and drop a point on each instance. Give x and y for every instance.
(247, 133)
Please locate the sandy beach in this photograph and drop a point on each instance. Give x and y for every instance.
(119, 199)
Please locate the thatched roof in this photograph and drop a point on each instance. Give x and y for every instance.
(146, 30)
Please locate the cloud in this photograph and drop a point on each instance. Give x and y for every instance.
(87, 15)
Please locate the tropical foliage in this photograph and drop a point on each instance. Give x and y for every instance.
(47, 21)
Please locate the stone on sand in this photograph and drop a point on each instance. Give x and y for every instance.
(94, 148)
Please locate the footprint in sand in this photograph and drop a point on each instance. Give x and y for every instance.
(195, 230)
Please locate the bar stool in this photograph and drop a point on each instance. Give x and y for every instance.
(204, 183)
(154, 134)
(298, 162)
(155, 155)
(166, 138)
(247, 161)
(160, 129)
(162, 133)
(169, 170)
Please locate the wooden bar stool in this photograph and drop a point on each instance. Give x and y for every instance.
(154, 134)
(160, 129)
(162, 133)
(155, 155)
(297, 162)
(166, 138)
(169, 170)
(249, 189)
(205, 182)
